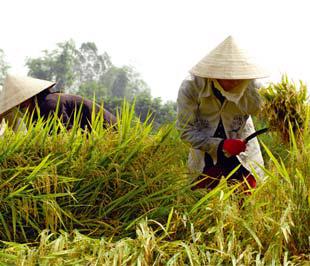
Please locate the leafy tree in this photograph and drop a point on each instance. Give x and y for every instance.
(89, 65)
(120, 84)
(3, 66)
(65, 64)
(161, 113)
(135, 83)
(57, 65)
(86, 72)
(90, 89)
(166, 113)
(123, 82)
(143, 105)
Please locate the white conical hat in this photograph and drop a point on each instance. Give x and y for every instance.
(17, 89)
(228, 61)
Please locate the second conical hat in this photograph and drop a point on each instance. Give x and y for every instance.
(228, 61)
(17, 89)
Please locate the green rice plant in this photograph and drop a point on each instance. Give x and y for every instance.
(98, 181)
(121, 196)
(289, 183)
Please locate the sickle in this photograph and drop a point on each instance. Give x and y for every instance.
(253, 135)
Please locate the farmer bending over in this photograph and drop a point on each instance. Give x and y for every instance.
(26, 93)
(215, 105)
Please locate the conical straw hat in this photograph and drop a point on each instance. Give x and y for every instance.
(17, 89)
(228, 61)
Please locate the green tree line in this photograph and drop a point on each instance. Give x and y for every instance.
(87, 72)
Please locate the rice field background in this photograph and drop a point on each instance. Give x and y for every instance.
(122, 197)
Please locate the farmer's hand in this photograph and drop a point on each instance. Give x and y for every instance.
(234, 146)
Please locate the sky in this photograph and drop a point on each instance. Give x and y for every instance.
(161, 39)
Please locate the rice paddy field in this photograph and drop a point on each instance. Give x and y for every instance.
(122, 197)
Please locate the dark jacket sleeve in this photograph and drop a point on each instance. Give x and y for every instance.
(109, 118)
(69, 106)
(50, 104)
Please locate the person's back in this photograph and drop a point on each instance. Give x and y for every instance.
(69, 106)
(24, 92)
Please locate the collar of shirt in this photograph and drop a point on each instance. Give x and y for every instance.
(235, 94)
(205, 87)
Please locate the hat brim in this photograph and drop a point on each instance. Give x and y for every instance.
(228, 61)
(18, 89)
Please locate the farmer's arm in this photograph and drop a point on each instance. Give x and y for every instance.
(188, 124)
